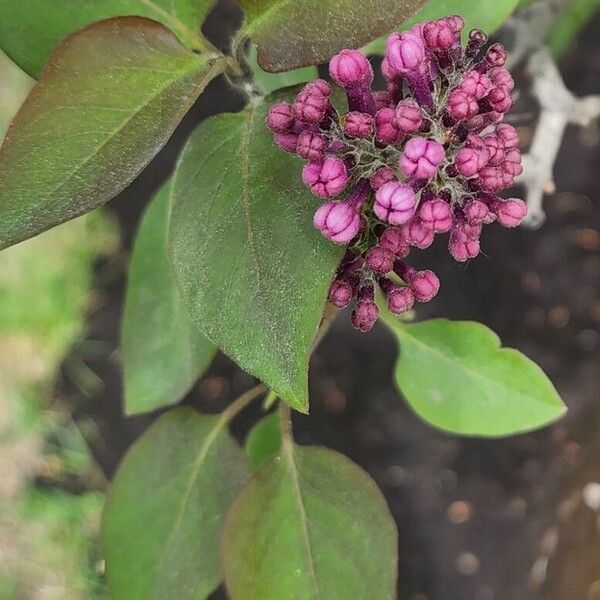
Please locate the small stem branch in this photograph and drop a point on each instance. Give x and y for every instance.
(242, 401)
(285, 425)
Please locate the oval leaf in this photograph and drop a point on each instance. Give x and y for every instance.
(310, 525)
(165, 508)
(263, 441)
(456, 376)
(29, 31)
(252, 269)
(163, 351)
(291, 34)
(108, 100)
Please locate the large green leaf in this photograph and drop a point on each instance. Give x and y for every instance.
(14, 87)
(163, 351)
(291, 34)
(456, 376)
(30, 30)
(109, 98)
(252, 269)
(164, 511)
(310, 525)
(487, 16)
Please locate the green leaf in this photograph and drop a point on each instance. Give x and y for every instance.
(487, 16)
(270, 82)
(456, 376)
(163, 351)
(263, 441)
(14, 87)
(574, 17)
(109, 99)
(30, 30)
(165, 508)
(252, 269)
(291, 34)
(309, 525)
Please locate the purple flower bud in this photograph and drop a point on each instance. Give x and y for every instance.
(461, 105)
(286, 141)
(476, 84)
(311, 104)
(365, 313)
(351, 68)
(394, 202)
(499, 99)
(326, 179)
(496, 55)
(405, 52)
(382, 100)
(338, 221)
(311, 146)
(510, 212)
(469, 161)
(508, 134)
(456, 22)
(424, 285)
(408, 115)
(477, 40)
(341, 292)
(399, 299)
(439, 35)
(436, 215)
(380, 259)
(418, 233)
(421, 158)
(475, 211)
(318, 85)
(462, 247)
(495, 149)
(382, 176)
(490, 179)
(386, 131)
(358, 125)
(280, 117)
(501, 76)
(393, 239)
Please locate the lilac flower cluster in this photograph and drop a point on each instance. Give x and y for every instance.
(429, 155)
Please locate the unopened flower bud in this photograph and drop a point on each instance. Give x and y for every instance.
(508, 134)
(405, 52)
(424, 285)
(418, 233)
(311, 104)
(311, 146)
(510, 212)
(477, 40)
(351, 68)
(358, 125)
(286, 141)
(469, 161)
(399, 299)
(436, 214)
(439, 35)
(461, 105)
(326, 179)
(501, 76)
(462, 247)
(393, 239)
(421, 158)
(365, 313)
(475, 211)
(380, 259)
(394, 203)
(408, 116)
(386, 131)
(499, 99)
(338, 221)
(382, 176)
(496, 55)
(280, 117)
(341, 293)
(475, 84)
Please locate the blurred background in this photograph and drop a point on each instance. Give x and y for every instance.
(508, 519)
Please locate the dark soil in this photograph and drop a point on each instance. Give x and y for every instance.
(478, 519)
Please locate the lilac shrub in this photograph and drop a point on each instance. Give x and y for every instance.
(429, 155)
